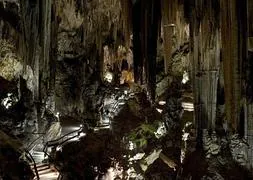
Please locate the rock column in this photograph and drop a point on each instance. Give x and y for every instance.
(205, 55)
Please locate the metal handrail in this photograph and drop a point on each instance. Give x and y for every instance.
(60, 141)
(34, 164)
(27, 148)
(57, 141)
(31, 157)
(28, 154)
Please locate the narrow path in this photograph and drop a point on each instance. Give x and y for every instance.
(45, 170)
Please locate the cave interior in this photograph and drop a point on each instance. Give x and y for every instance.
(126, 89)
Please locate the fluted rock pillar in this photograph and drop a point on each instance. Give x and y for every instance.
(234, 54)
(249, 103)
(169, 10)
(205, 55)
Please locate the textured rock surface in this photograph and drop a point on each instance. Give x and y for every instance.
(239, 148)
(11, 166)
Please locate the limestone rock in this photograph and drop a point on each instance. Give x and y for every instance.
(238, 149)
(210, 144)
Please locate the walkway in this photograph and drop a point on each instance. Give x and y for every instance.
(45, 170)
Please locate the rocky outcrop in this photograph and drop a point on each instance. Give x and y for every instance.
(222, 157)
(126, 113)
(136, 140)
(70, 83)
(11, 165)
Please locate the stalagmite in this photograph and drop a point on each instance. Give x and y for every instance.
(127, 22)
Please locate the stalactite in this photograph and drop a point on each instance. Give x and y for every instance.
(46, 33)
(8, 15)
(53, 55)
(46, 10)
(30, 38)
(105, 19)
(126, 7)
(137, 51)
(169, 10)
(232, 54)
(146, 19)
(152, 46)
(249, 98)
(29, 45)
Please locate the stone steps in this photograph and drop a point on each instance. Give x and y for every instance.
(45, 171)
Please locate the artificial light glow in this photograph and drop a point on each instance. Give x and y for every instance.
(185, 77)
(188, 106)
(73, 128)
(137, 157)
(185, 136)
(188, 124)
(108, 77)
(74, 139)
(159, 110)
(131, 145)
(170, 25)
(82, 134)
(9, 101)
(58, 148)
(150, 159)
(57, 115)
(102, 127)
(162, 103)
(182, 156)
(51, 175)
(106, 120)
(161, 131)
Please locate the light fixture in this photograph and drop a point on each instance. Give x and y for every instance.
(188, 106)
(162, 103)
(108, 77)
(58, 148)
(82, 134)
(159, 110)
(185, 77)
